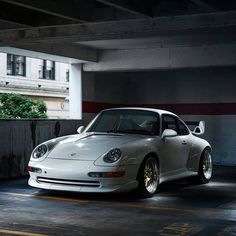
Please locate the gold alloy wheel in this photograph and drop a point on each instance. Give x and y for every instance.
(151, 175)
(207, 165)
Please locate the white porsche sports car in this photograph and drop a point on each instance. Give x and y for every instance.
(120, 150)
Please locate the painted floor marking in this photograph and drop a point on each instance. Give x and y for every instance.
(140, 206)
(47, 197)
(14, 232)
(180, 229)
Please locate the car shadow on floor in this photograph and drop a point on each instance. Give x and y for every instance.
(181, 192)
(221, 188)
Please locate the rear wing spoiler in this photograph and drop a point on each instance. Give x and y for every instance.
(197, 127)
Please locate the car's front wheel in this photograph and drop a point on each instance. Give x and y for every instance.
(148, 177)
(205, 167)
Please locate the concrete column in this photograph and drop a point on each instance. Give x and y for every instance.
(3, 65)
(75, 95)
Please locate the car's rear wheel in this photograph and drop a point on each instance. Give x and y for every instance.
(148, 177)
(205, 167)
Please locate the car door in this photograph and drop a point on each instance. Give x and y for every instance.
(174, 150)
(184, 134)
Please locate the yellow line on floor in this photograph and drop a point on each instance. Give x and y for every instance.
(46, 197)
(13, 232)
(113, 204)
(155, 207)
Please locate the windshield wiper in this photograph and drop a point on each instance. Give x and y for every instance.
(133, 131)
(105, 133)
(111, 131)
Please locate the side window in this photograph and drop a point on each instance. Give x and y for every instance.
(169, 122)
(182, 128)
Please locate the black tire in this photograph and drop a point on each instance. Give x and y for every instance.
(148, 170)
(205, 167)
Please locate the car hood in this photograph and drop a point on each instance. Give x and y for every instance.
(89, 146)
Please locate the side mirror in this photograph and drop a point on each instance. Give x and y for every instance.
(167, 133)
(200, 129)
(80, 129)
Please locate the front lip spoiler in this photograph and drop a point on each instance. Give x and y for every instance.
(73, 188)
(80, 183)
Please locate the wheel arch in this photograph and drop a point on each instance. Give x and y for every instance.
(202, 179)
(153, 154)
(195, 164)
(208, 147)
(203, 150)
(197, 149)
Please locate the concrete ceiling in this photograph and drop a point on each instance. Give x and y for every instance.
(80, 29)
(161, 42)
(34, 13)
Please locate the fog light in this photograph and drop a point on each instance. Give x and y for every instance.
(94, 174)
(34, 169)
(106, 174)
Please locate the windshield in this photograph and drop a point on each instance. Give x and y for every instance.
(127, 121)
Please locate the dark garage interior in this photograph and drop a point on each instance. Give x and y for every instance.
(174, 55)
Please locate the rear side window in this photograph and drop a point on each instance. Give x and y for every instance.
(182, 128)
(172, 122)
(169, 122)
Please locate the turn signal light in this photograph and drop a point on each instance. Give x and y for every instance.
(33, 169)
(106, 174)
(29, 169)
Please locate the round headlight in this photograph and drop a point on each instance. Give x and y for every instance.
(113, 155)
(40, 151)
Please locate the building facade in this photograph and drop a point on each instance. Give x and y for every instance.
(38, 79)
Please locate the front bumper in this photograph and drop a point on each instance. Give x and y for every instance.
(71, 175)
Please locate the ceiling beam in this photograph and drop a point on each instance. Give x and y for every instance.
(77, 10)
(164, 58)
(73, 51)
(6, 24)
(138, 28)
(66, 53)
(135, 7)
(205, 5)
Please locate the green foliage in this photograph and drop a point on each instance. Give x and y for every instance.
(17, 106)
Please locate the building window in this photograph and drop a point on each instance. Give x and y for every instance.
(50, 70)
(41, 69)
(67, 75)
(10, 64)
(46, 70)
(16, 65)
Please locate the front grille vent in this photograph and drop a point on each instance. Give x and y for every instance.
(80, 183)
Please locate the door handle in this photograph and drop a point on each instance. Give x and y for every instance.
(184, 142)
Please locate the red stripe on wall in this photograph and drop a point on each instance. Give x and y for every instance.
(181, 109)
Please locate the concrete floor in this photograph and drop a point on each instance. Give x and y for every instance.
(178, 209)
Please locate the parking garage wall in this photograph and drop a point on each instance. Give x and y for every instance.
(101, 91)
(195, 94)
(19, 137)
